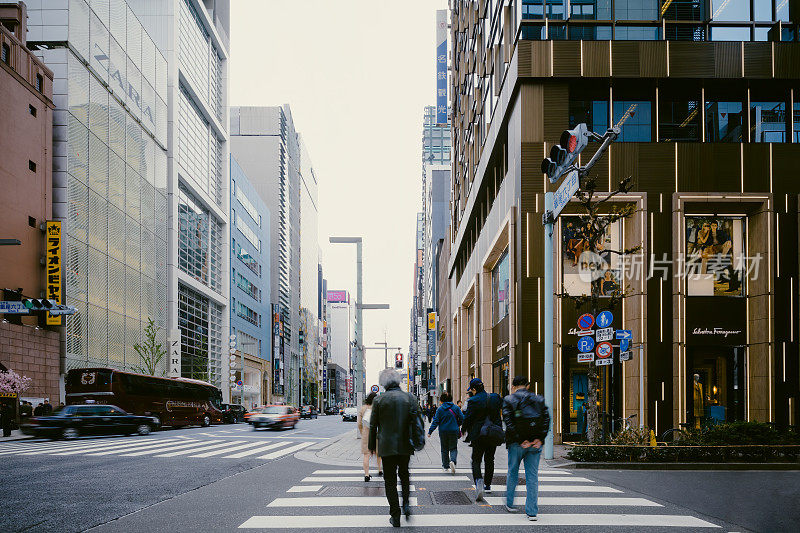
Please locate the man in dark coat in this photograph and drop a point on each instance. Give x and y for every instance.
(479, 406)
(527, 424)
(390, 434)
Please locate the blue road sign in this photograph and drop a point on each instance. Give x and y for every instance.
(604, 319)
(624, 334)
(375, 388)
(586, 321)
(624, 344)
(586, 344)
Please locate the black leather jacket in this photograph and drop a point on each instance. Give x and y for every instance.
(390, 422)
(525, 405)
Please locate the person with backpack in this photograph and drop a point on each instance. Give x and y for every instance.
(364, 416)
(448, 419)
(527, 424)
(396, 429)
(483, 426)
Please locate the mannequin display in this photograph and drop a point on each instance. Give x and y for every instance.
(699, 407)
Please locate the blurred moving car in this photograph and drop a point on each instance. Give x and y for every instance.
(308, 411)
(350, 414)
(233, 413)
(72, 421)
(332, 410)
(274, 417)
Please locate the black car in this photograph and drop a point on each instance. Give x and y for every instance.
(232, 413)
(72, 421)
(308, 411)
(331, 410)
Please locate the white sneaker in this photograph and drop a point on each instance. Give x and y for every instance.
(452, 467)
(445, 470)
(533, 518)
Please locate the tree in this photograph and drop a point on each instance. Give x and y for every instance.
(10, 381)
(592, 228)
(151, 353)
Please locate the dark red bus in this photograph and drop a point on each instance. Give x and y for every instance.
(173, 401)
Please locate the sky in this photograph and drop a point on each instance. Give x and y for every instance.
(357, 75)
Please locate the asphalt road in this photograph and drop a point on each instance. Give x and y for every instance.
(66, 493)
(228, 478)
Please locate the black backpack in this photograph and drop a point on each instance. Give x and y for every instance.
(417, 429)
(491, 434)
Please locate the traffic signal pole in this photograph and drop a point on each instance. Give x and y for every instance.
(549, 224)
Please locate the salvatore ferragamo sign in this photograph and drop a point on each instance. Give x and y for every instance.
(716, 321)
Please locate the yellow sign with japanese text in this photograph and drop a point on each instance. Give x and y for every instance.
(53, 267)
(431, 321)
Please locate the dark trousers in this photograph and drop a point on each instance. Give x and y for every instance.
(485, 453)
(449, 444)
(392, 465)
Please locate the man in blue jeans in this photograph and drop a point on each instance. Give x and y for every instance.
(448, 419)
(527, 424)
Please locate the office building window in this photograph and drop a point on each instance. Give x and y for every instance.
(685, 32)
(500, 287)
(724, 121)
(31, 110)
(31, 166)
(635, 9)
(5, 55)
(193, 322)
(592, 112)
(636, 33)
(245, 257)
(590, 9)
(729, 33)
(762, 10)
(735, 10)
(39, 83)
(782, 10)
(248, 314)
(638, 127)
(679, 120)
(684, 10)
(796, 121)
(580, 32)
(533, 9)
(767, 122)
(193, 237)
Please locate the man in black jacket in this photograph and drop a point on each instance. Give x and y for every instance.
(390, 433)
(527, 424)
(479, 406)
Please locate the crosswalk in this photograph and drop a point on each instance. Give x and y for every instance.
(340, 499)
(161, 447)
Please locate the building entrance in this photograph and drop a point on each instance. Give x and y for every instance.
(715, 385)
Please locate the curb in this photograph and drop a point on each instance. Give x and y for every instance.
(686, 466)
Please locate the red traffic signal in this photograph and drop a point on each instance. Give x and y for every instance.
(564, 154)
(398, 360)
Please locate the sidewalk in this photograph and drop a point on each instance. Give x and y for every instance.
(345, 450)
(16, 434)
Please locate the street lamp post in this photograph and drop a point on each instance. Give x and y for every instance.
(360, 306)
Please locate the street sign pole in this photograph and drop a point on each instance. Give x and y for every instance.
(549, 222)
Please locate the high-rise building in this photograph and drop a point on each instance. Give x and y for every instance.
(110, 174)
(342, 347)
(26, 182)
(250, 310)
(710, 89)
(193, 36)
(271, 152)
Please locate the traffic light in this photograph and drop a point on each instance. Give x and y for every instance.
(398, 360)
(36, 304)
(565, 153)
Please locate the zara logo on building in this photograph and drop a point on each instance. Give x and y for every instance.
(124, 84)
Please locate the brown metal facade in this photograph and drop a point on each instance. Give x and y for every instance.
(497, 179)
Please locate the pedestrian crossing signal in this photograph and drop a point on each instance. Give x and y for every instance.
(398, 360)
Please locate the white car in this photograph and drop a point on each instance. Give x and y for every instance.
(350, 414)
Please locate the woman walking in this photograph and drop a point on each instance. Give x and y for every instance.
(448, 419)
(364, 415)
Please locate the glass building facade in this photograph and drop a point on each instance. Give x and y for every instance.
(110, 175)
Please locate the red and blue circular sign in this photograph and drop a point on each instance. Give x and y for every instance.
(586, 321)
(604, 350)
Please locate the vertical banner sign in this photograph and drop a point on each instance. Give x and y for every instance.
(54, 289)
(441, 66)
(174, 353)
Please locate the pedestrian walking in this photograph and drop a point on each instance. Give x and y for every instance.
(481, 422)
(26, 410)
(38, 410)
(6, 414)
(527, 424)
(364, 416)
(47, 408)
(390, 435)
(448, 419)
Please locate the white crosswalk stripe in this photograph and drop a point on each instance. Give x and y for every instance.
(365, 522)
(560, 493)
(439, 471)
(167, 447)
